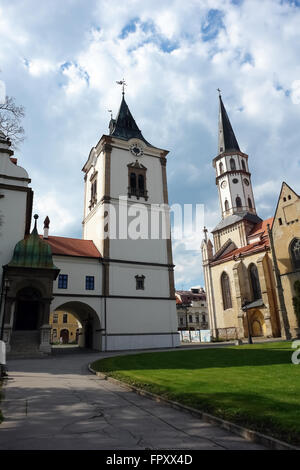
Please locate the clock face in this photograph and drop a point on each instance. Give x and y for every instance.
(136, 150)
(223, 184)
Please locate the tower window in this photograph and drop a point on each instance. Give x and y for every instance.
(140, 282)
(93, 200)
(249, 203)
(295, 253)
(226, 206)
(137, 180)
(226, 294)
(221, 168)
(243, 165)
(232, 164)
(63, 281)
(238, 202)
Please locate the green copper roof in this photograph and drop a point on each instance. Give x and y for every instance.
(32, 252)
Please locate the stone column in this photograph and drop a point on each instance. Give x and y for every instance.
(45, 329)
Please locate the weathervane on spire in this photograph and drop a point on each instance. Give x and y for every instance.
(123, 83)
(218, 89)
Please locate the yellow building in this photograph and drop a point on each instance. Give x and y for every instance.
(64, 328)
(285, 244)
(240, 281)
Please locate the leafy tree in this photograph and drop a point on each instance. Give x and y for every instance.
(10, 121)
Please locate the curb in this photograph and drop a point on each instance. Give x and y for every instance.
(248, 434)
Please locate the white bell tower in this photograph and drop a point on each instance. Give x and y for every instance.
(125, 186)
(232, 172)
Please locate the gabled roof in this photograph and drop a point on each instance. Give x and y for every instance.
(227, 139)
(124, 126)
(259, 233)
(72, 247)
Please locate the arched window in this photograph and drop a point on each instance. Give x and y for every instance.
(225, 284)
(232, 164)
(254, 281)
(295, 253)
(141, 182)
(133, 183)
(249, 203)
(221, 168)
(238, 202)
(244, 165)
(226, 205)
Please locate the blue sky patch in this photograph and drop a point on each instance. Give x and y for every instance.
(212, 24)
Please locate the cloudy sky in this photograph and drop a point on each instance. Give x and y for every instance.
(61, 59)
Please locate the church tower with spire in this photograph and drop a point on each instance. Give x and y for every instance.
(126, 196)
(233, 180)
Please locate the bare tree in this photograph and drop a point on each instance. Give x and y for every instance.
(10, 121)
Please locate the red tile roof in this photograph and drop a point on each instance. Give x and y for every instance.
(261, 228)
(72, 247)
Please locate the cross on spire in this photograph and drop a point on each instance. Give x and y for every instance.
(123, 83)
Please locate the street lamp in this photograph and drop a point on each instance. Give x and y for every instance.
(6, 286)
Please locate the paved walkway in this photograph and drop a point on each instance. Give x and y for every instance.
(55, 403)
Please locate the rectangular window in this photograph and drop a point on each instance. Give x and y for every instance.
(197, 318)
(140, 282)
(89, 282)
(63, 281)
(55, 317)
(190, 318)
(65, 318)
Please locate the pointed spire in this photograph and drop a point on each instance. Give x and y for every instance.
(227, 140)
(124, 126)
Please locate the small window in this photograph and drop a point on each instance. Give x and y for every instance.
(203, 318)
(140, 282)
(243, 165)
(226, 206)
(55, 317)
(280, 221)
(63, 281)
(65, 318)
(191, 318)
(232, 164)
(89, 282)
(54, 333)
(221, 168)
(249, 203)
(289, 197)
(197, 318)
(284, 199)
(238, 202)
(181, 321)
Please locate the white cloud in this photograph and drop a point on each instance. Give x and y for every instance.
(39, 67)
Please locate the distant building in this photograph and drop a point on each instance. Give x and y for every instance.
(192, 313)
(65, 328)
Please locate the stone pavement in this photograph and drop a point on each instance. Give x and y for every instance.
(56, 403)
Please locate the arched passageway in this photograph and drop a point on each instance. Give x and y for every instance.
(89, 335)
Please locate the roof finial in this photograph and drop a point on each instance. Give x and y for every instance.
(123, 83)
(35, 222)
(110, 111)
(218, 89)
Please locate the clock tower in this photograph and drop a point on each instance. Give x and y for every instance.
(125, 195)
(233, 180)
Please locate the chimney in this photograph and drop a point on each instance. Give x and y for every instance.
(46, 227)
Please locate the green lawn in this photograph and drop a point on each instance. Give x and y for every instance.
(253, 385)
